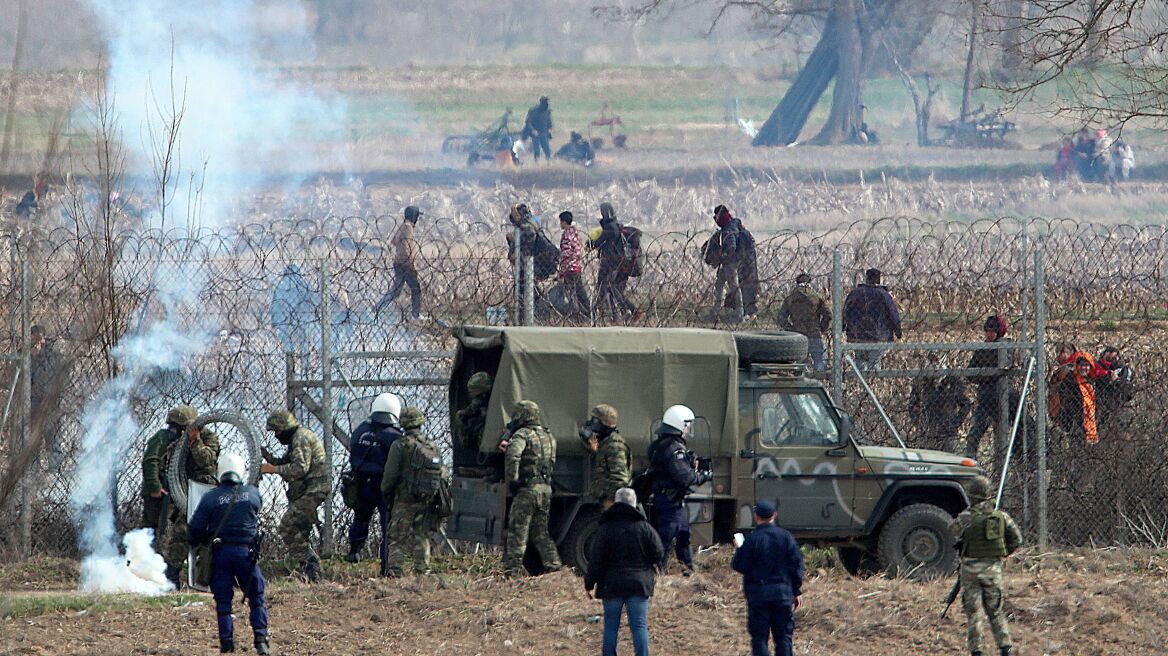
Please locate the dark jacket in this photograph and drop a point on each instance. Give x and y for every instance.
(870, 315)
(986, 359)
(610, 244)
(771, 565)
(370, 447)
(242, 523)
(805, 312)
(673, 467)
(624, 555)
(539, 118)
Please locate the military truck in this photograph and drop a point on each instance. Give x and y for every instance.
(767, 429)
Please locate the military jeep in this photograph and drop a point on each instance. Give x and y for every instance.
(767, 430)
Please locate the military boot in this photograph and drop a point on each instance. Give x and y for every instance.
(226, 646)
(354, 554)
(261, 645)
(312, 569)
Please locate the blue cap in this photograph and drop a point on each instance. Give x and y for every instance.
(764, 509)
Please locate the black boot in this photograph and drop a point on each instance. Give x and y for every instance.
(261, 645)
(312, 569)
(172, 575)
(1007, 650)
(226, 646)
(354, 554)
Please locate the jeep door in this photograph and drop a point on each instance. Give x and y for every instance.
(801, 462)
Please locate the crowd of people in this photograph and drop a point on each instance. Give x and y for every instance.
(1094, 157)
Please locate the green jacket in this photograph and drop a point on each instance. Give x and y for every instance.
(304, 459)
(966, 520)
(805, 312)
(155, 459)
(531, 455)
(400, 455)
(203, 459)
(610, 467)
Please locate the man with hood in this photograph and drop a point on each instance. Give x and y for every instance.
(1072, 401)
(405, 264)
(805, 312)
(372, 440)
(674, 475)
(622, 569)
(987, 407)
(538, 126)
(306, 470)
(728, 249)
(611, 279)
(609, 454)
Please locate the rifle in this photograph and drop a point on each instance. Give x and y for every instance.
(952, 596)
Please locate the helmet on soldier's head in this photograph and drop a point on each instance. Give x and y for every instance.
(605, 414)
(979, 489)
(412, 417)
(480, 383)
(183, 415)
(678, 417)
(282, 420)
(231, 468)
(386, 409)
(525, 412)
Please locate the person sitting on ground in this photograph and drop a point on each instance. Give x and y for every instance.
(577, 150)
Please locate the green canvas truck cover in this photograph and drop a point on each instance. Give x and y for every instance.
(639, 371)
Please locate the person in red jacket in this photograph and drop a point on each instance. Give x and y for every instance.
(571, 269)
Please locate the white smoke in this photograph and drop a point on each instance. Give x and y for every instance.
(139, 571)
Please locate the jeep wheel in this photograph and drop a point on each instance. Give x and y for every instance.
(915, 543)
(857, 561)
(772, 346)
(578, 543)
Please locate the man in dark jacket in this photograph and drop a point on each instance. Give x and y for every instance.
(371, 443)
(539, 127)
(623, 568)
(228, 518)
(772, 580)
(870, 315)
(987, 410)
(674, 474)
(805, 312)
(733, 247)
(611, 280)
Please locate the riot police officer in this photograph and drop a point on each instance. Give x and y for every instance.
(371, 443)
(228, 518)
(674, 474)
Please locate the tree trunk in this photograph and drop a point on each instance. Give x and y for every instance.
(787, 120)
(844, 121)
(970, 58)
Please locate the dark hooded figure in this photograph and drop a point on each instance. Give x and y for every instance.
(539, 127)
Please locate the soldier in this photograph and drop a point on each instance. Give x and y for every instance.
(674, 473)
(805, 312)
(413, 477)
(228, 516)
(610, 455)
(305, 469)
(531, 456)
(473, 417)
(371, 443)
(202, 455)
(984, 536)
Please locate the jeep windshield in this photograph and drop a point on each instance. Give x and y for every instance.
(797, 419)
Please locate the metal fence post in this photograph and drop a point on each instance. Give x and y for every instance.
(26, 484)
(326, 371)
(517, 296)
(529, 291)
(1040, 393)
(837, 328)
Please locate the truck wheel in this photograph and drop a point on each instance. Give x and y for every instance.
(771, 346)
(915, 543)
(857, 561)
(578, 543)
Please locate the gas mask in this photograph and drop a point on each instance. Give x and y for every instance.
(591, 428)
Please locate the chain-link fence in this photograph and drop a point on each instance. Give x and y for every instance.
(259, 299)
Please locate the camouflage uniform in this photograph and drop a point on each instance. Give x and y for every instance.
(986, 536)
(202, 461)
(305, 468)
(531, 456)
(610, 461)
(473, 418)
(412, 518)
(155, 460)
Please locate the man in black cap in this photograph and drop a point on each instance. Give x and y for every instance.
(405, 264)
(539, 127)
(772, 580)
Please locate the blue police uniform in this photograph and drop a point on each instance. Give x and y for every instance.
(772, 576)
(232, 562)
(367, 454)
(673, 476)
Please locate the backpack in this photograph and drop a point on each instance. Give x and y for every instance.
(424, 473)
(712, 249)
(545, 256)
(632, 262)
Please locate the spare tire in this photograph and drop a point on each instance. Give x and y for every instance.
(771, 347)
(176, 471)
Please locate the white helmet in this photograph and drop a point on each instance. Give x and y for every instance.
(231, 468)
(386, 409)
(678, 417)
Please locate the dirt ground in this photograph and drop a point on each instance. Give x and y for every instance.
(1094, 603)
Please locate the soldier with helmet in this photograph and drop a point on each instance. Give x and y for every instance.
(414, 475)
(305, 468)
(367, 453)
(228, 518)
(473, 418)
(984, 536)
(203, 451)
(674, 474)
(530, 458)
(610, 455)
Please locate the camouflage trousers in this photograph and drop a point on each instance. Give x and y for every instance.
(529, 524)
(409, 528)
(175, 548)
(981, 591)
(296, 526)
